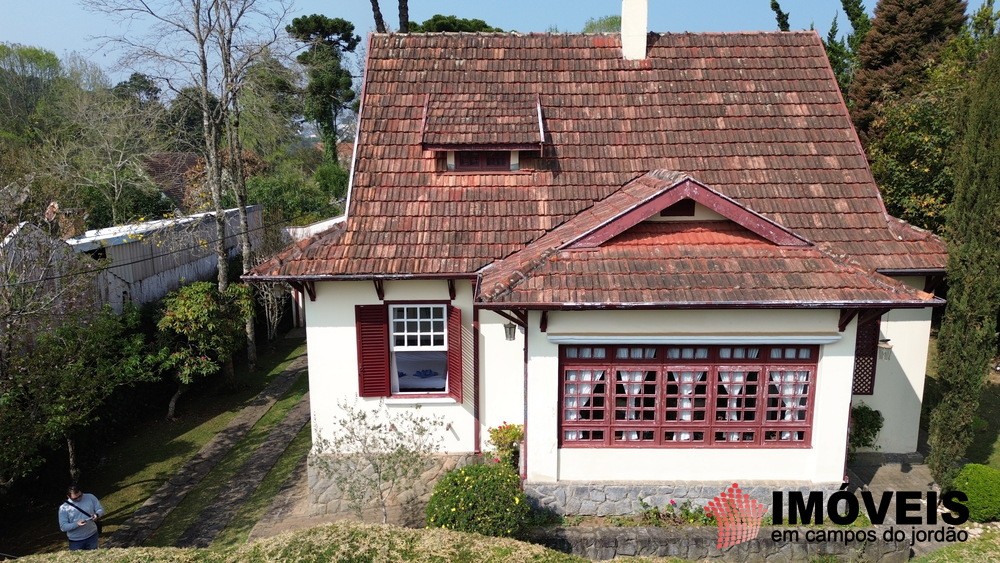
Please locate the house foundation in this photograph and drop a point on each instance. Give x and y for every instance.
(619, 498)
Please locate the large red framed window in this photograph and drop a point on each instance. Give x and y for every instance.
(687, 396)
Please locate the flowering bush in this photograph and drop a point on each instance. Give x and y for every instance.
(506, 438)
(483, 498)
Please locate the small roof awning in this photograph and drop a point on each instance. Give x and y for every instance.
(482, 122)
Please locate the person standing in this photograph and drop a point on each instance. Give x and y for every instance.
(78, 517)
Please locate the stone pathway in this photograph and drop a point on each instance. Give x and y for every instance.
(150, 516)
(877, 473)
(215, 517)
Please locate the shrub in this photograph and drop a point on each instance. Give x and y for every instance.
(483, 498)
(866, 423)
(982, 484)
(506, 438)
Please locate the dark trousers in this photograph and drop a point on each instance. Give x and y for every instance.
(89, 543)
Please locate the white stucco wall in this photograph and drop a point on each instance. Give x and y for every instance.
(823, 462)
(899, 375)
(333, 358)
(501, 366)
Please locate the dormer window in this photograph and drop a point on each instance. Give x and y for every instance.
(476, 134)
(474, 161)
(482, 160)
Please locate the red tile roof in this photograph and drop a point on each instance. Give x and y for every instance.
(679, 263)
(755, 116)
(482, 119)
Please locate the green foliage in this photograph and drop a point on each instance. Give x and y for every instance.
(606, 24)
(967, 339)
(482, 498)
(673, 514)
(905, 37)
(290, 198)
(271, 102)
(440, 22)
(866, 423)
(860, 22)
(59, 385)
(982, 485)
(840, 56)
(330, 88)
(27, 76)
(375, 454)
(206, 328)
(506, 439)
(779, 16)
(910, 157)
(332, 178)
(913, 140)
(182, 123)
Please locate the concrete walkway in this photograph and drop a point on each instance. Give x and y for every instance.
(151, 515)
(878, 473)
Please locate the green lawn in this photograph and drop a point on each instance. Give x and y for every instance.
(139, 463)
(205, 492)
(984, 549)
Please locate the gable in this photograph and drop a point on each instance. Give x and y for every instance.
(683, 190)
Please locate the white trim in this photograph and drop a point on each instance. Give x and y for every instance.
(694, 339)
(403, 402)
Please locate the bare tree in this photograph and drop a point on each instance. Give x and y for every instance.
(208, 44)
(102, 142)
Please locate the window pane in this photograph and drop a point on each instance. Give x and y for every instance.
(425, 372)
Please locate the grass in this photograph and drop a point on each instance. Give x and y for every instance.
(206, 492)
(986, 548)
(343, 541)
(139, 463)
(237, 532)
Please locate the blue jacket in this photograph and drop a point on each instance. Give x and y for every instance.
(69, 517)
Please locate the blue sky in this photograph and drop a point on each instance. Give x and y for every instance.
(63, 26)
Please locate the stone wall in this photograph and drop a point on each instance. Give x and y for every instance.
(405, 507)
(699, 543)
(611, 499)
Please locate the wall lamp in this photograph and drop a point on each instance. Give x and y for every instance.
(508, 330)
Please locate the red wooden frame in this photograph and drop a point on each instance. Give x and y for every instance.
(636, 411)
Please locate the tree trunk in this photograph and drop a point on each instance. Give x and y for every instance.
(172, 406)
(404, 16)
(229, 372)
(74, 470)
(379, 22)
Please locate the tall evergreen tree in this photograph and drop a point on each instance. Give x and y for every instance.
(906, 36)
(840, 56)
(968, 339)
(779, 16)
(860, 23)
(330, 89)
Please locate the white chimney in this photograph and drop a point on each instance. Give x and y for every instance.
(635, 16)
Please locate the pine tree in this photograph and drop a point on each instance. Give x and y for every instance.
(779, 16)
(905, 37)
(840, 57)
(968, 339)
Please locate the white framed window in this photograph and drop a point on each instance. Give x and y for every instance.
(418, 348)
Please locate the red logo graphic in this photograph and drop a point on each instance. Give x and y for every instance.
(737, 515)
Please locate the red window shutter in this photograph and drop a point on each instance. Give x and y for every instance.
(455, 353)
(866, 356)
(373, 350)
